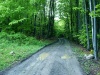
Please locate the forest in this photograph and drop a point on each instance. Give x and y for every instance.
(76, 20)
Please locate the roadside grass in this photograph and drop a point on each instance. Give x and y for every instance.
(15, 47)
(90, 67)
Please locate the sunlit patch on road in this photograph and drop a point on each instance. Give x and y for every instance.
(65, 56)
(43, 56)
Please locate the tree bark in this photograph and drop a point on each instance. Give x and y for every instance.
(87, 31)
(95, 34)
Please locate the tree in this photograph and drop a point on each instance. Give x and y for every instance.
(85, 21)
(95, 33)
(51, 18)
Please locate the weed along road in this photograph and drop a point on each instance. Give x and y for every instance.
(55, 59)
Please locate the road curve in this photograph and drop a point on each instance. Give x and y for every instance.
(55, 59)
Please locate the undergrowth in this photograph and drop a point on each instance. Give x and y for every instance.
(90, 67)
(17, 46)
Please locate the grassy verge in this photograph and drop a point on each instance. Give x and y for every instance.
(15, 47)
(90, 67)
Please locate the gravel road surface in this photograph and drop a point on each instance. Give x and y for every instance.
(55, 59)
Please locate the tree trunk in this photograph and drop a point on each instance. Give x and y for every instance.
(95, 34)
(51, 18)
(34, 29)
(77, 17)
(87, 31)
(71, 20)
(90, 5)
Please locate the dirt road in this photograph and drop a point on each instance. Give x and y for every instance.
(55, 59)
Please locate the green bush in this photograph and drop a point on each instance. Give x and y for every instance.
(82, 36)
(20, 44)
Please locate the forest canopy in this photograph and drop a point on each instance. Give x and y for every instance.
(78, 20)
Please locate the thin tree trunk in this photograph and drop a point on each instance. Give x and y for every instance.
(71, 20)
(87, 31)
(34, 30)
(90, 5)
(95, 34)
(77, 17)
(51, 18)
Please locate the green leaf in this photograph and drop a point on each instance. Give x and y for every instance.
(17, 21)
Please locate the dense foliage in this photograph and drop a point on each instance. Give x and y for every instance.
(37, 18)
(15, 47)
(82, 22)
